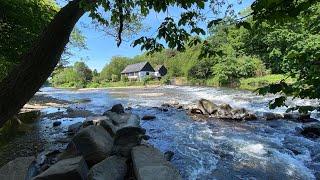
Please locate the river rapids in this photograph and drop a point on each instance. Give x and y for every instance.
(214, 149)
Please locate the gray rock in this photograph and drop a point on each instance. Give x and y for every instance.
(56, 123)
(272, 116)
(18, 169)
(71, 169)
(126, 138)
(74, 128)
(297, 117)
(126, 131)
(148, 117)
(93, 120)
(124, 119)
(118, 108)
(150, 163)
(94, 143)
(29, 116)
(206, 106)
(168, 155)
(112, 168)
(195, 111)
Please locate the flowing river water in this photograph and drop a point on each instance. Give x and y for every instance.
(203, 150)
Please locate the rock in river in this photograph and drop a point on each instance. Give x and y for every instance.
(112, 168)
(72, 168)
(150, 163)
(126, 131)
(94, 143)
(311, 131)
(148, 117)
(93, 120)
(18, 169)
(118, 108)
(206, 106)
(272, 116)
(56, 123)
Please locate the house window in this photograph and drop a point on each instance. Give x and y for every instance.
(147, 73)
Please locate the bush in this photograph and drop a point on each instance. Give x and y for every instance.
(146, 79)
(124, 79)
(68, 77)
(166, 80)
(114, 78)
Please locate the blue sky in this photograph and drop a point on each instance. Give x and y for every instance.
(101, 47)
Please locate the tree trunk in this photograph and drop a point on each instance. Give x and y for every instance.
(37, 65)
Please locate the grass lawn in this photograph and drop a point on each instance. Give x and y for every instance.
(257, 82)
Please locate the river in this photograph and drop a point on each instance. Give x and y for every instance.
(203, 150)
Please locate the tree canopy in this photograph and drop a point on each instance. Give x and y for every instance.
(38, 62)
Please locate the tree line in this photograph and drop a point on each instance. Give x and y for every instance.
(283, 34)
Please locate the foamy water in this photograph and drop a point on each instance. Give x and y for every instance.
(215, 149)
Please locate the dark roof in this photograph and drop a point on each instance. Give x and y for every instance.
(138, 67)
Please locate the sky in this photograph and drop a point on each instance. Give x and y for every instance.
(101, 47)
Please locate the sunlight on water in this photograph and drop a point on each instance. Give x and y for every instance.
(215, 149)
(256, 149)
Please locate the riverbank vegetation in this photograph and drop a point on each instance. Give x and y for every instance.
(277, 55)
(239, 57)
(270, 37)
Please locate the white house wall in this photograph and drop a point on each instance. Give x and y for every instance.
(139, 75)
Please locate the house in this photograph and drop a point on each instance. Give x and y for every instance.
(138, 71)
(160, 71)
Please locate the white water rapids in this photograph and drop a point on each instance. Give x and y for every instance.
(215, 149)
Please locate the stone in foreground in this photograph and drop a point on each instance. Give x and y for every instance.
(17, 169)
(71, 169)
(74, 128)
(112, 168)
(94, 143)
(150, 163)
(126, 131)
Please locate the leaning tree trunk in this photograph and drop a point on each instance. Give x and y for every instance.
(37, 65)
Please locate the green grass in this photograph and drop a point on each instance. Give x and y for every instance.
(257, 82)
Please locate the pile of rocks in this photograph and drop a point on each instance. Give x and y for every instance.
(205, 109)
(223, 111)
(111, 146)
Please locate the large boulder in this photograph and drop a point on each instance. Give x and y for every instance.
(18, 169)
(112, 168)
(71, 169)
(150, 163)
(74, 128)
(206, 106)
(126, 131)
(94, 143)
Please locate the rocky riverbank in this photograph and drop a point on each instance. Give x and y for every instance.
(112, 146)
